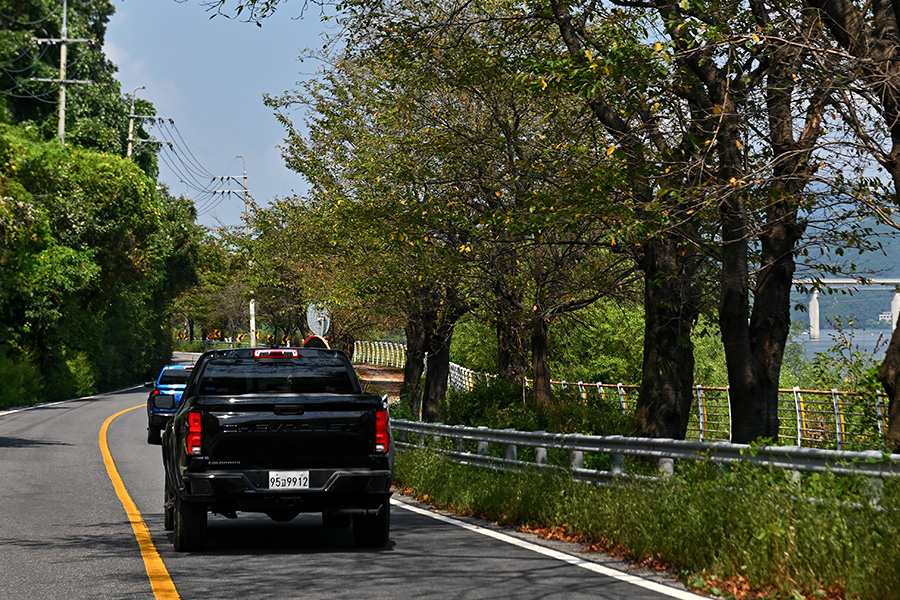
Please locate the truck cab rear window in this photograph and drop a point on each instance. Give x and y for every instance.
(288, 377)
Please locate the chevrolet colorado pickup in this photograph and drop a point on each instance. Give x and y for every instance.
(278, 431)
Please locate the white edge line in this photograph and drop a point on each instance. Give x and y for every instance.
(562, 556)
(49, 404)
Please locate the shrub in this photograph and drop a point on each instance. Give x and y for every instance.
(502, 404)
(20, 381)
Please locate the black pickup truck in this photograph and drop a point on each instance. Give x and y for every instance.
(278, 431)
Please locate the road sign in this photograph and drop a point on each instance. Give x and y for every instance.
(318, 320)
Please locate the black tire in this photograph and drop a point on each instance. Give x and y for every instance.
(335, 521)
(154, 435)
(168, 508)
(372, 531)
(189, 526)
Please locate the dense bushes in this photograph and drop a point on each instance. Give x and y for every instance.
(84, 288)
(501, 405)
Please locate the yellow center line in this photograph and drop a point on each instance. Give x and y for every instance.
(160, 581)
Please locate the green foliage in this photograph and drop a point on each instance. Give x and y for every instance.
(785, 537)
(474, 345)
(92, 256)
(502, 404)
(19, 378)
(709, 354)
(599, 343)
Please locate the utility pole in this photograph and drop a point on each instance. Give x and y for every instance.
(63, 41)
(246, 193)
(131, 121)
(132, 117)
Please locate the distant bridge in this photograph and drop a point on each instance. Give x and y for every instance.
(849, 283)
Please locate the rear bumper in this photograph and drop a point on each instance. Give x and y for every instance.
(330, 490)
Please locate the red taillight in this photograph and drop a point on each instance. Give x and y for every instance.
(194, 437)
(382, 435)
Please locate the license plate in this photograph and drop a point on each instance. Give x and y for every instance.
(288, 480)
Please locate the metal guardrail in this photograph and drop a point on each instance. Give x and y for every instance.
(452, 440)
(814, 418)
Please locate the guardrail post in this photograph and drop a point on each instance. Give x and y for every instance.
(617, 464)
(483, 446)
(876, 489)
(666, 467)
(540, 454)
(404, 436)
(512, 451)
(577, 459)
(459, 444)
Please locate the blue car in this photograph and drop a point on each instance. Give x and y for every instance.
(164, 398)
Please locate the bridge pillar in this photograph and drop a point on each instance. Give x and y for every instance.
(895, 310)
(814, 316)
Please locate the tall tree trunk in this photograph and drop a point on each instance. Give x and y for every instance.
(416, 347)
(671, 306)
(438, 373)
(889, 375)
(540, 366)
(747, 376)
(512, 351)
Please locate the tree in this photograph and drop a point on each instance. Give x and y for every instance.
(870, 34)
(88, 237)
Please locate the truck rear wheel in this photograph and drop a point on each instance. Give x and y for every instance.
(372, 531)
(190, 526)
(168, 508)
(154, 435)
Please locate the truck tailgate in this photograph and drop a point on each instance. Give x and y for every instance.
(296, 432)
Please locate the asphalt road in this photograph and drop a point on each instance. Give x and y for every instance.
(64, 533)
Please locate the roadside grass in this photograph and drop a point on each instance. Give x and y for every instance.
(743, 532)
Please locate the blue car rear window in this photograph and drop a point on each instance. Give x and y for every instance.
(174, 377)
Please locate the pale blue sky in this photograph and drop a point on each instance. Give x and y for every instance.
(209, 75)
